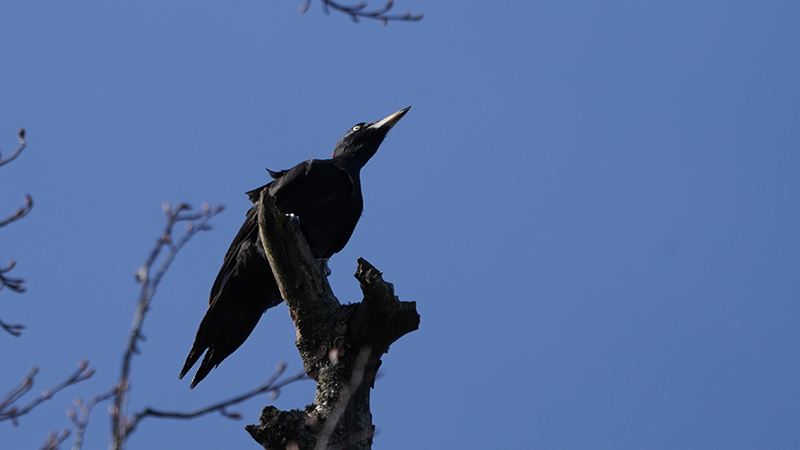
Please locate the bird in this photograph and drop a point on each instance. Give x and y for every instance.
(324, 195)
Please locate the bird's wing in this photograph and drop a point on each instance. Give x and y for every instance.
(322, 195)
(243, 290)
(326, 199)
(312, 181)
(293, 189)
(314, 172)
(247, 232)
(284, 180)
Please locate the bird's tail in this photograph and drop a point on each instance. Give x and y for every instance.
(224, 329)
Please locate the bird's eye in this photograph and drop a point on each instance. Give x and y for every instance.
(355, 128)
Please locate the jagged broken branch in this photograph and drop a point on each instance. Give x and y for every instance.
(341, 345)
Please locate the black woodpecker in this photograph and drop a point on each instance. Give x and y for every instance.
(325, 195)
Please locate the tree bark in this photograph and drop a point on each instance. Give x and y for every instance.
(341, 345)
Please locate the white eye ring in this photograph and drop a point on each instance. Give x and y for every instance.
(355, 128)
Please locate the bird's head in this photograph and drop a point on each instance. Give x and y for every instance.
(362, 141)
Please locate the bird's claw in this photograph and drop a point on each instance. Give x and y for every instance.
(293, 218)
(323, 264)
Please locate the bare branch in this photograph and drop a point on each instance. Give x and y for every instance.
(12, 329)
(359, 11)
(81, 418)
(21, 212)
(80, 415)
(10, 412)
(13, 395)
(17, 151)
(15, 284)
(54, 440)
(169, 247)
(269, 386)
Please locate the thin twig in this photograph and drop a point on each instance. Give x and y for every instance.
(17, 151)
(359, 11)
(81, 418)
(195, 222)
(15, 284)
(15, 394)
(21, 212)
(269, 386)
(10, 412)
(12, 329)
(54, 440)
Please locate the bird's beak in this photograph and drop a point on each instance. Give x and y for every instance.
(390, 121)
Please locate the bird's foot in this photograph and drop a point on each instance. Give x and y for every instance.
(293, 218)
(323, 264)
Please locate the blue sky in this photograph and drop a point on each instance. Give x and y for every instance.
(595, 207)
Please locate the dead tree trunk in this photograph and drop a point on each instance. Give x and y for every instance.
(341, 345)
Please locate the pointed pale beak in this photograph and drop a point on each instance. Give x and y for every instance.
(390, 121)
